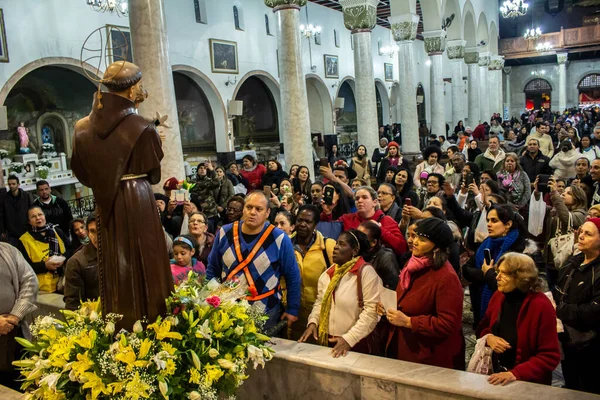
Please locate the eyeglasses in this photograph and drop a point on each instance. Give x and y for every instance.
(231, 209)
(384, 194)
(432, 183)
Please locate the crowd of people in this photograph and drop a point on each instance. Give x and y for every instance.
(507, 213)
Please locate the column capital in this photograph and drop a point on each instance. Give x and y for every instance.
(359, 15)
(484, 59)
(404, 27)
(471, 55)
(435, 42)
(562, 58)
(276, 5)
(507, 70)
(455, 49)
(496, 63)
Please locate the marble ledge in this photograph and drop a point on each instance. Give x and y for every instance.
(379, 371)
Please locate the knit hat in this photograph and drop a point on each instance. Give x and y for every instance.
(171, 184)
(424, 175)
(437, 231)
(394, 144)
(595, 221)
(160, 196)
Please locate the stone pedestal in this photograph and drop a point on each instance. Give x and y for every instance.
(456, 53)
(360, 19)
(472, 61)
(484, 87)
(435, 44)
(151, 54)
(295, 124)
(562, 59)
(404, 29)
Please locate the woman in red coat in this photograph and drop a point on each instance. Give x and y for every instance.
(521, 325)
(253, 172)
(426, 326)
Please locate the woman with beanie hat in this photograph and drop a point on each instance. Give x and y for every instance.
(577, 296)
(426, 326)
(430, 164)
(393, 159)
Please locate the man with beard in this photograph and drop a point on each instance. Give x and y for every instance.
(534, 162)
(458, 161)
(546, 145)
(56, 209)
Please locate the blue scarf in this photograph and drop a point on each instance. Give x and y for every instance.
(497, 246)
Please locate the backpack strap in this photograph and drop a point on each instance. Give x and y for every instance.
(359, 291)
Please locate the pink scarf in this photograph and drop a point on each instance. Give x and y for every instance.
(415, 264)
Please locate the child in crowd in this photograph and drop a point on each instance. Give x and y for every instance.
(184, 250)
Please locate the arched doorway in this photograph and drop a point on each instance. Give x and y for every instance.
(259, 122)
(589, 90)
(395, 103)
(196, 119)
(383, 104)
(347, 120)
(320, 109)
(49, 100)
(538, 94)
(421, 110)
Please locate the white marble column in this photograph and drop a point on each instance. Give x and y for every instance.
(484, 94)
(435, 44)
(295, 123)
(360, 18)
(472, 61)
(456, 53)
(495, 74)
(151, 53)
(562, 59)
(492, 86)
(404, 29)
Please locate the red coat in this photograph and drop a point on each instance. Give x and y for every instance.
(538, 353)
(479, 132)
(391, 237)
(254, 177)
(434, 301)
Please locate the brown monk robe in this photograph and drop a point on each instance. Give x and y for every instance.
(117, 153)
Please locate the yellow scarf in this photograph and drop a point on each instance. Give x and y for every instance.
(339, 273)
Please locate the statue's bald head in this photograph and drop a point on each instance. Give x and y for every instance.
(121, 75)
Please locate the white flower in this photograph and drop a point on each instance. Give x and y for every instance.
(109, 328)
(47, 320)
(160, 359)
(72, 376)
(93, 316)
(239, 330)
(256, 356)
(226, 364)
(173, 320)
(213, 353)
(50, 380)
(194, 396)
(137, 327)
(204, 331)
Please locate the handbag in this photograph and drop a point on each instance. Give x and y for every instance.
(481, 361)
(561, 245)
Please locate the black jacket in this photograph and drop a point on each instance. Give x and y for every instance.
(385, 163)
(395, 212)
(13, 213)
(57, 212)
(271, 178)
(81, 277)
(385, 264)
(535, 166)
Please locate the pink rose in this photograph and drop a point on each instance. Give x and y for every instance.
(213, 301)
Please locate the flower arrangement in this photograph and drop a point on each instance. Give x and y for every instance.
(44, 162)
(200, 350)
(16, 167)
(48, 150)
(3, 154)
(42, 171)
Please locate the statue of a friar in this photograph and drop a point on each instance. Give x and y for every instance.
(117, 153)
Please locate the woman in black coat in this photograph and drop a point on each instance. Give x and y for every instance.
(274, 175)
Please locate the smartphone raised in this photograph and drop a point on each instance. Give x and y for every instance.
(488, 256)
(267, 190)
(543, 183)
(469, 179)
(323, 162)
(328, 195)
(408, 202)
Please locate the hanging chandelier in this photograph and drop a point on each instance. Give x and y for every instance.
(533, 34)
(546, 46)
(118, 7)
(513, 8)
(391, 51)
(310, 30)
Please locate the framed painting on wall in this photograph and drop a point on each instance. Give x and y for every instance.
(223, 56)
(119, 44)
(3, 46)
(389, 72)
(331, 66)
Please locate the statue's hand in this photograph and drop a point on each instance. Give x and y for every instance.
(160, 120)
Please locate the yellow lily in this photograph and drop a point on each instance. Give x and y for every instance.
(164, 331)
(94, 382)
(145, 348)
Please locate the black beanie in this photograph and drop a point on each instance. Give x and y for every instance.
(435, 230)
(160, 196)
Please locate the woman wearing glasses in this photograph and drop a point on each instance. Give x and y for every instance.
(198, 227)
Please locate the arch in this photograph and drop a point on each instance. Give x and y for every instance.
(217, 106)
(347, 90)
(538, 94)
(65, 62)
(272, 86)
(469, 25)
(589, 81)
(350, 81)
(483, 33)
(493, 46)
(320, 107)
(455, 31)
(383, 103)
(588, 89)
(536, 85)
(51, 118)
(395, 102)
(432, 14)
